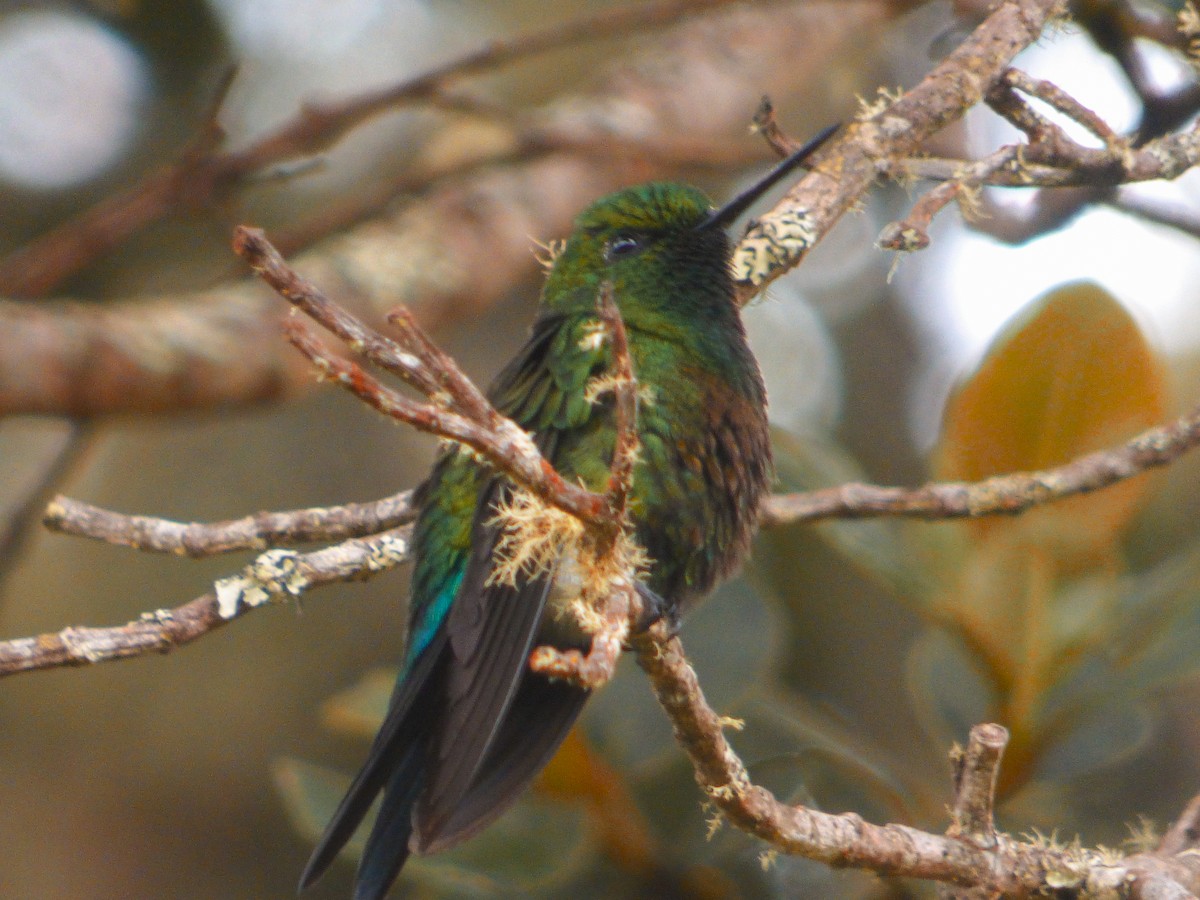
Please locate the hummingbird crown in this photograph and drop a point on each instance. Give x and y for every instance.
(645, 241)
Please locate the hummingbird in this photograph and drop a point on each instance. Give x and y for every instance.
(469, 724)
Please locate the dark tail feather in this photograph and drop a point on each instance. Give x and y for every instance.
(541, 714)
(396, 754)
(387, 847)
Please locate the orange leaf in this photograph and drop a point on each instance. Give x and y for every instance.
(1073, 374)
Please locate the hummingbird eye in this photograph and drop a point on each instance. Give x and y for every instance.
(622, 246)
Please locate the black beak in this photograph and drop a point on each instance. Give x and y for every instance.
(720, 218)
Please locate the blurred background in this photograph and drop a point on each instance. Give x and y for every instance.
(856, 652)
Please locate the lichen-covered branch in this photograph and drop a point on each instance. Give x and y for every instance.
(842, 173)
(994, 865)
(276, 574)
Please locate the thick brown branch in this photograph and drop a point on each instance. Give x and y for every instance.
(458, 250)
(1008, 868)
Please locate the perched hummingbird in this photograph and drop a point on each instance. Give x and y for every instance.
(469, 725)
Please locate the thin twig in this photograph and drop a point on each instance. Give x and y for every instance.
(15, 527)
(463, 416)
(1002, 494)
(257, 532)
(1055, 97)
(912, 233)
(625, 405)
(618, 602)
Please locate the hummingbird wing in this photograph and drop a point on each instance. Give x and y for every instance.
(468, 726)
(501, 722)
(396, 755)
(490, 631)
(537, 722)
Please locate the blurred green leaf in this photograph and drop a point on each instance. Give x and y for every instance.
(1110, 734)
(949, 693)
(878, 548)
(807, 754)
(360, 709)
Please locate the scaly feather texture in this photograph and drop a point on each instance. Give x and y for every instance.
(469, 725)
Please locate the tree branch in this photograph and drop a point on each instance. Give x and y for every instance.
(257, 532)
(844, 170)
(1000, 495)
(275, 575)
(458, 250)
(996, 866)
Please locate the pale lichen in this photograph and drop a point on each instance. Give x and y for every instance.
(276, 573)
(533, 536)
(773, 243)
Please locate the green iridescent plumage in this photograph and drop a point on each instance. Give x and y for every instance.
(469, 725)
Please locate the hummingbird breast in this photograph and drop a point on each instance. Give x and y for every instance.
(705, 466)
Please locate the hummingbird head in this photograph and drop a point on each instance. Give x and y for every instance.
(662, 246)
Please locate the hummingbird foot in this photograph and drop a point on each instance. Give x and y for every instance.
(655, 609)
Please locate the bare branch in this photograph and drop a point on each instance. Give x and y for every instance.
(463, 414)
(15, 525)
(1002, 494)
(256, 532)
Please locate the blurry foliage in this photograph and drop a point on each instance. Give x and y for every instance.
(1035, 621)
